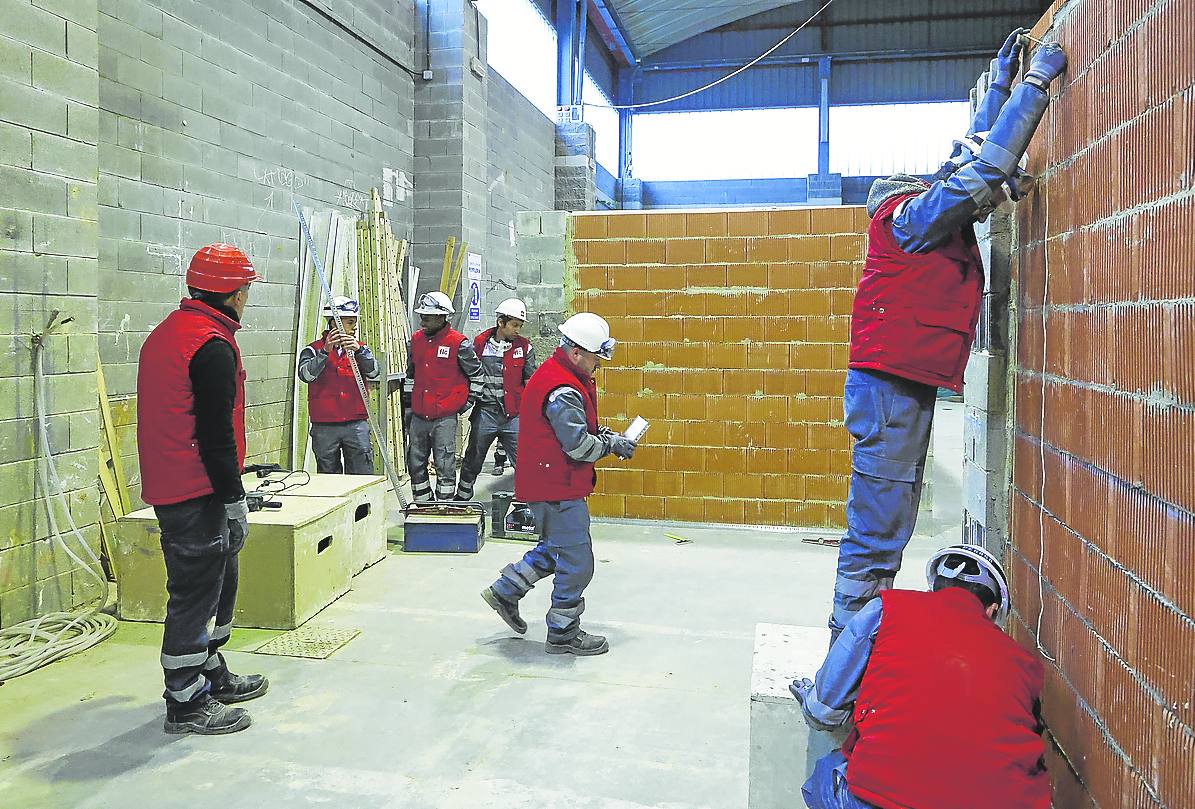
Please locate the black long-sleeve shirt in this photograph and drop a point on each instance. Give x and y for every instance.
(213, 372)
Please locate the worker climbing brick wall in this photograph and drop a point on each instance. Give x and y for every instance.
(1103, 258)
(732, 330)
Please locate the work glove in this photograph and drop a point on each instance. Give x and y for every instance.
(1048, 63)
(801, 689)
(620, 445)
(237, 515)
(1008, 59)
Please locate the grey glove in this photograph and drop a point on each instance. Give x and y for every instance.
(620, 445)
(237, 515)
(801, 689)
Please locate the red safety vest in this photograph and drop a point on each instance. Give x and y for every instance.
(441, 388)
(944, 717)
(513, 362)
(915, 313)
(171, 469)
(544, 473)
(333, 397)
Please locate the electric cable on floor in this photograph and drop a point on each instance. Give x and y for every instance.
(718, 81)
(29, 645)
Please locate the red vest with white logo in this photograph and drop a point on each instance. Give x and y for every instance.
(171, 469)
(513, 362)
(333, 397)
(915, 313)
(544, 473)
(944, 715)
(441, 388)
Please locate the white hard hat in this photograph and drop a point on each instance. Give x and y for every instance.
(512, 307)
(590, 332)
(951, 562)
(435, 303)
(342, 306)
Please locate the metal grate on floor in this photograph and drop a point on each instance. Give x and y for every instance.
(311, 642)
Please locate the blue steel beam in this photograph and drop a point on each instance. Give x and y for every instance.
(570, 51)
(804, 59)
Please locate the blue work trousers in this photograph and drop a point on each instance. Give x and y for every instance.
(564, 550)
(826, 788)
(890, 419)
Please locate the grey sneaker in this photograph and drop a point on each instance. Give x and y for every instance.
(207, 717)
(583, 645)
(506, 611)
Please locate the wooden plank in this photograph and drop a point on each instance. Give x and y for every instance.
(112, 463)
(447, 269)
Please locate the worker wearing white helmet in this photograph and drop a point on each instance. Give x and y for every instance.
(507, 362)
(443, 381)
(945, 706)
(340, 437)
(559, 442)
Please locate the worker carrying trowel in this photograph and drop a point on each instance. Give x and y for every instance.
(943, 707)
(507, 361)
(443, 380)
(191, 446)
(339, 420)
(915, 314)
(559, 442)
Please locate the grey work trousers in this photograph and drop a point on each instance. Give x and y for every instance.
(486, 425)
(200, 547)
(350, 439)
(435, 438)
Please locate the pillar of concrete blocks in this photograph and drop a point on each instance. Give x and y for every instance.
(631, 194)
(825, 189)
(986, 423)
(49, 90)
(451, 160)
(576, 167)
(542, 240)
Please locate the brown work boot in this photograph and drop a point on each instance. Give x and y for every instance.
(206, 716)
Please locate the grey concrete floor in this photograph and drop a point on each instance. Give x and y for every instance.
(436, 704)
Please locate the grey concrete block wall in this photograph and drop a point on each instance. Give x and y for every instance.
(48, 247)
(211, 117)
(521, 143)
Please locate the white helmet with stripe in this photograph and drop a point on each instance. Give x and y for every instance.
(953, 561)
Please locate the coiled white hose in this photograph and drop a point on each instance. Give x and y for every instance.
(32, 644)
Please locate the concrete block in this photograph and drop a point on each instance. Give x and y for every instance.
(35, 26)
(541, 248)
(783, 748)
(16, 146)
(16, 61)
(528, 223)
(985, 382)
(82, 42)
(65, 157)
(552, 271)
(61, 76)
(82, 122)
(32, 190)
(64, 236)
(25, 106)
(555, 223)
(82, 201)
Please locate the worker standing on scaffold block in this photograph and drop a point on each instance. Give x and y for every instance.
(339, 420)
(191, 446)
(443, 380)
(915, 314)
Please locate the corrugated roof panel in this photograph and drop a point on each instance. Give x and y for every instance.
(655, 24)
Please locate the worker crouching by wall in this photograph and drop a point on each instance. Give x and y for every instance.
(191, 445)
(443, 381)
(559, 442)
(339, 419)
(507, 361)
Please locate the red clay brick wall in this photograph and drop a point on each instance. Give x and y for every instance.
(1111, 229)
(732, 330)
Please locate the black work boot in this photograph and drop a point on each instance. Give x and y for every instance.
(506, 610)
(582, 645)
(230, 688)
(206, 716)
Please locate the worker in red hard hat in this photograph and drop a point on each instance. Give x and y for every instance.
(191, 444)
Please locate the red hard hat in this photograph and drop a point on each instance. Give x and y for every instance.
(220, 268)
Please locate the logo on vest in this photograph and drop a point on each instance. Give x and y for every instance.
(442, 351)
(518, 352)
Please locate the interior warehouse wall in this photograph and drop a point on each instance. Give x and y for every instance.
(211, 117)
(732, 330)
(49, 126)
(522, 151)
(1105, 480)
